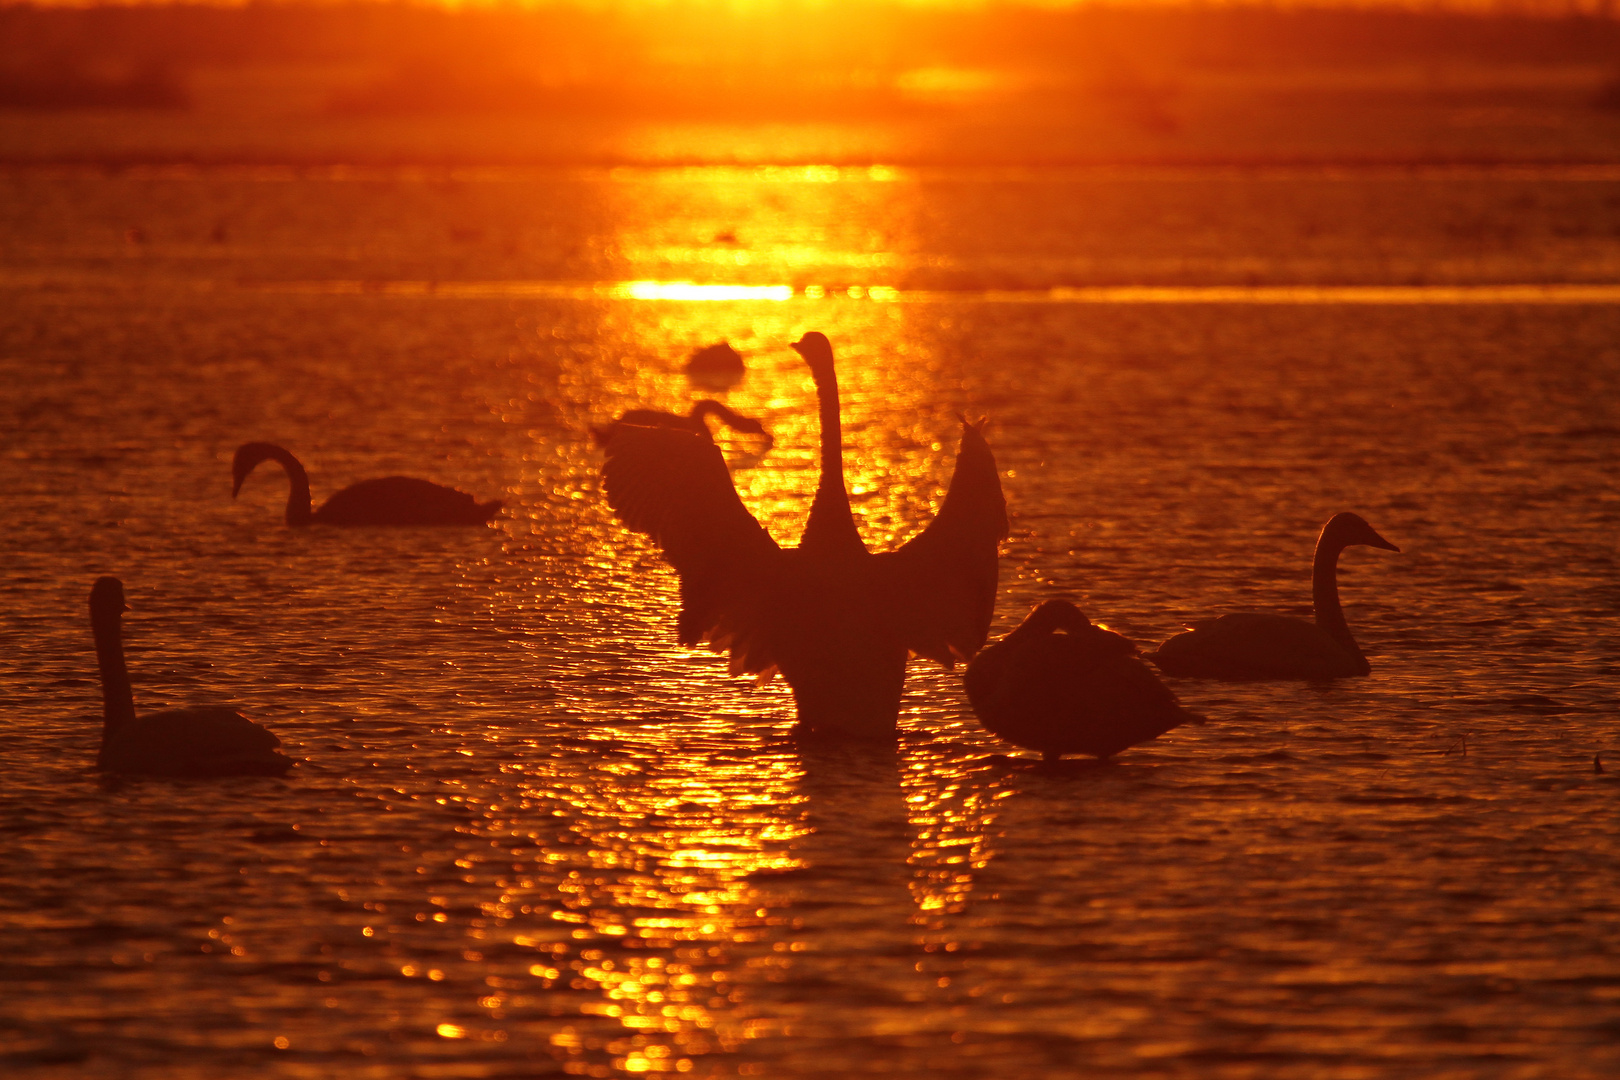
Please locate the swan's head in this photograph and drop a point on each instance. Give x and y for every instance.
(1055, 615)
(733, 419)
(107, 598)
(749, 426)
(1348, 529)
(817, 352)
(746, 424)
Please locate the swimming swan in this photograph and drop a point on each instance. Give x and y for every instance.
(178, 742)
(695, 421)
(1062, 685)
(716, 366)
(835, 619)
(1257, 647)
(391, 500)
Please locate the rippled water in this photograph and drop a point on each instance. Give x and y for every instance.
(530, 835)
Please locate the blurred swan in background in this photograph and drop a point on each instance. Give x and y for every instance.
(695, 421)
(835, 619)
(716, 366)
(1246, 646)
(391, 500)
(178, 742)
(1062, 685)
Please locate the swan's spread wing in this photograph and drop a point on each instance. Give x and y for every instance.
(944, 579)
(674, 487)
(403, 500)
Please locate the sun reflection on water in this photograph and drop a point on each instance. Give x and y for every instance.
(951, 814)
(531, 824)
(657, 917)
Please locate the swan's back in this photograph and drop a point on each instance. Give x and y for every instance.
(1256, 646)
(720, 363)
(404, 500)
(660, 418)
(193, 742)
(1070, 694)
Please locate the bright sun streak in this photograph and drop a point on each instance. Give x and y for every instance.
(686, 290)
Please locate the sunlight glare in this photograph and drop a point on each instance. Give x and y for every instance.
(686, 290)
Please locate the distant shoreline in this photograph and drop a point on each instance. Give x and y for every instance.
(392, 86)
(158, 166)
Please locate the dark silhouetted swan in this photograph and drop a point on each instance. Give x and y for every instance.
(835, 619)
(178, 742)
(391, 500)
(716, 366)
(1061, 685)
(695, 421)
(1256, 647)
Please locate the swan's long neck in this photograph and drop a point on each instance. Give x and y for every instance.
(117, 699)
(706, 408)
(299, 510)
(831, 526)
(724, 413)
(1325, 596)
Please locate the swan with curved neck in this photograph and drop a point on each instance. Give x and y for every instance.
(178, 742)
(390, 500)
(1257, 647)
(1060, 684)
(836, 620)
(695, 421)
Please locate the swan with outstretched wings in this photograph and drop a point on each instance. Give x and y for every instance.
(837, 620)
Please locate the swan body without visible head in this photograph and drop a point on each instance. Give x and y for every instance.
(390, 500)
(177, 742)
(1258, 647)
(716, 365)
(1061, 685)
(696, 421)
(837, 620)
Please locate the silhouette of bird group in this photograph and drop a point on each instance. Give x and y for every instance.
(836, 620)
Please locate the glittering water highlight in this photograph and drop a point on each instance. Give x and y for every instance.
(530, 835)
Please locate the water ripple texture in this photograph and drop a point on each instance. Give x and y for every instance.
(532, 836)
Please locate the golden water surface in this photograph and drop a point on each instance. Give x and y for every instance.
(530, 835)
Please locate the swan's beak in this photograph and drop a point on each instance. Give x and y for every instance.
(1379, 542)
